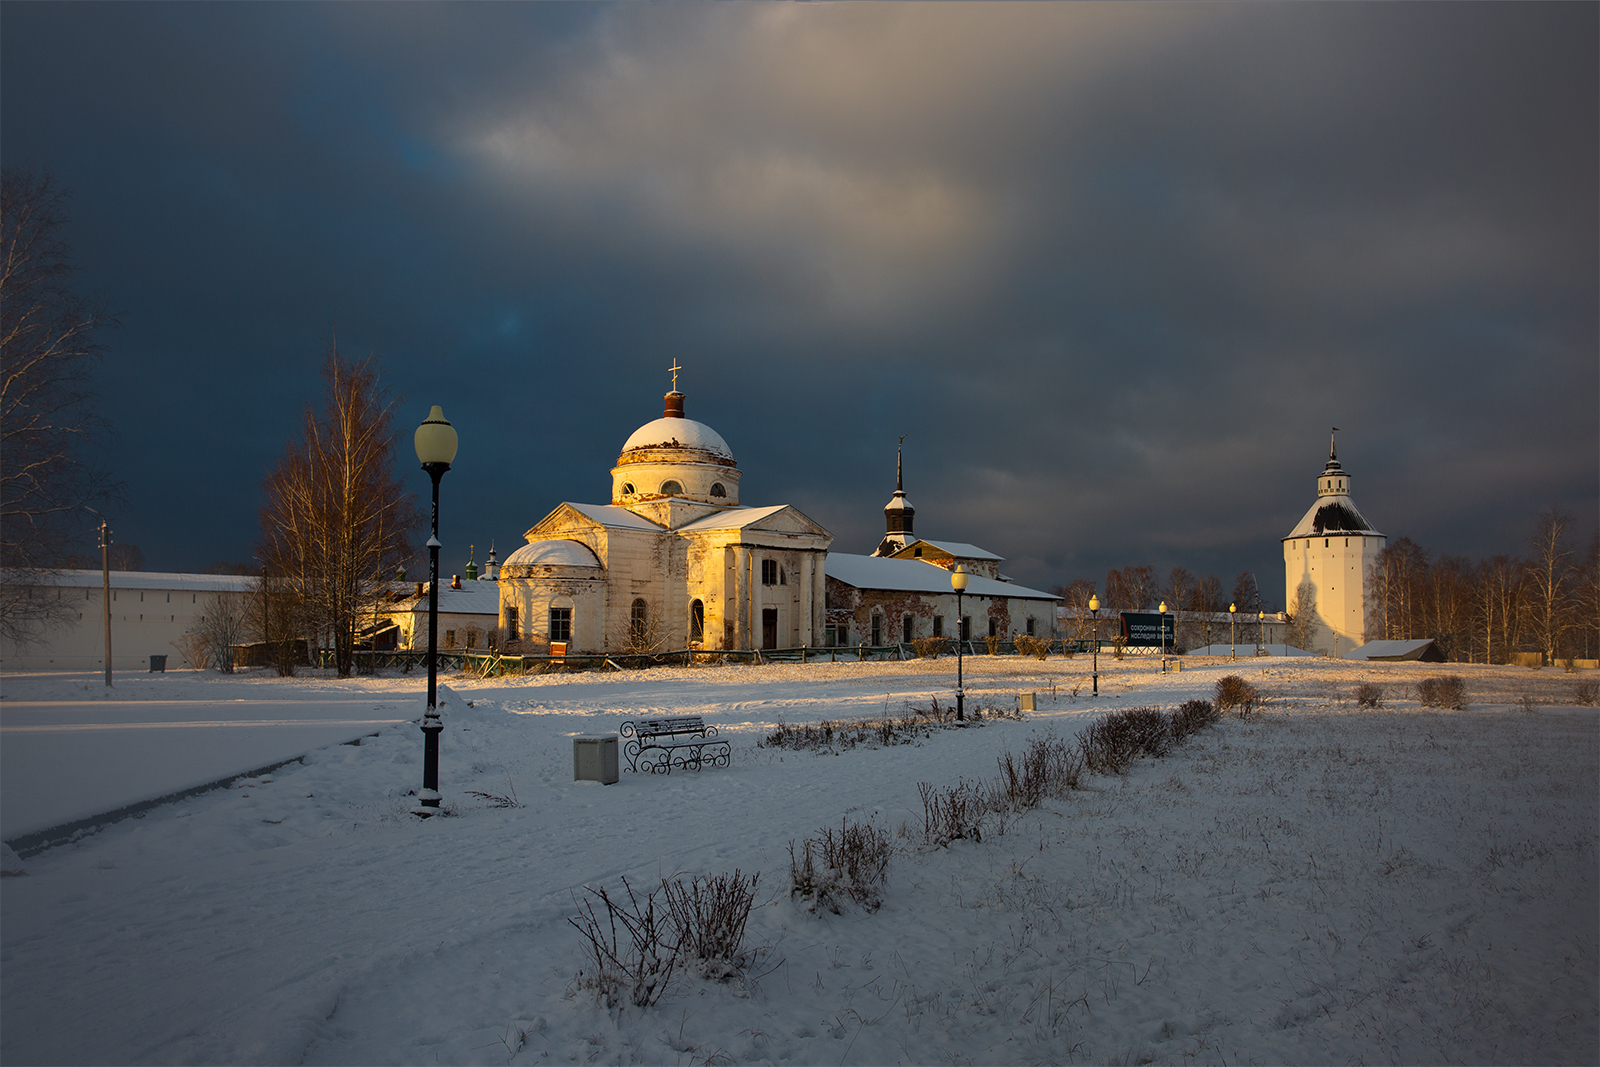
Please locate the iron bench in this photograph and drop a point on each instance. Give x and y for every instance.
(653, 745)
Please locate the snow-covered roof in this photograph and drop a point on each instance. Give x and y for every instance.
(675, 432)
(553, 553)
(615, 516)
(166, 581)
(915, 576)
(1393, 650)
(473, 598)
(732, 519)
(959, 549)
(1247, 649)
(1331, 515)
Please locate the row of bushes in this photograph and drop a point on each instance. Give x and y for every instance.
(913, 724)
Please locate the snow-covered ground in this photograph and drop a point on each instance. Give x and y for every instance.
(1322, 884)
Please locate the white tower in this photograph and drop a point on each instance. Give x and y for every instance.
(1328, 562)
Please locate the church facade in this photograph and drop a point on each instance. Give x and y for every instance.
(1329, 560)
(674, 560)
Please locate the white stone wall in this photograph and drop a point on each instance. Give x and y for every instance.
(149, 612)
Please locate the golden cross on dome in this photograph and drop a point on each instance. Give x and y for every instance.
(675, 369)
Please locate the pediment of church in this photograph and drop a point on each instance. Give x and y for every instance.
(782, 519)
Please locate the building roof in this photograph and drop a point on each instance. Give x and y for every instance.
(915, 576)
(614, 516)
(1392, 650)
(1332, 515)
(958, 549)
(473, 598)
(676, 432)
(732, 519)
(556, 552)
(166, 581)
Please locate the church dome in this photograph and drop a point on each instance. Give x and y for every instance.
(552, 553)
(677, 432)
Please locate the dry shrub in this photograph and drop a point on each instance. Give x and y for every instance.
(642, 961)
(1111, 743)
(1586, 694)
(955, 812)
(993, 644)
(1369, 695)
(709, 916)
(1442, 691)
(1037, 647)
(1048, 767)
(1233, 692)
(932, 647)
(850, 865)
(1191, 717)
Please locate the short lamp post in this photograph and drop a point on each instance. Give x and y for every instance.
(1233, 631)
(958, 582)
(1261, 632)
(1161, 634)
(1094, 613)
(105, 588)
(436, 448)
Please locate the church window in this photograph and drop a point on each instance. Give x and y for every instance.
(561, 624)
(627, 488)
(639, 620)
(877, 629)
(671, 487)
(718, 490)
(472, 639)
(511, 622)
(966, 627)
(449, 639)
(907, 629)
(1324, 542)
(769, 572)
(994, 627)
(697, 622)
(1030, 625)
(938, 626)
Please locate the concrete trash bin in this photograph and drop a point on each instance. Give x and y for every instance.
(158, 663)
(594, 759)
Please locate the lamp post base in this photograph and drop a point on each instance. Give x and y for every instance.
(961, 706)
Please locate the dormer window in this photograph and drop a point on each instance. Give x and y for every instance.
(917, 552)
(671, 487)
(627, 489)
(717, 489)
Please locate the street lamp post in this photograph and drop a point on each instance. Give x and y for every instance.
(1161, 634)
(1094, 613)
(436, 447)
(1261, 631)
(958, 582)
(105, 589)
(1233, 632)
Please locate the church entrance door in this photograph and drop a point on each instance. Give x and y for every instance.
(769, 627)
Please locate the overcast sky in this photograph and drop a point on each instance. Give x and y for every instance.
(1115, 270)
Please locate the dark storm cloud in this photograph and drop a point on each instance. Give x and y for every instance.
(1114, 268)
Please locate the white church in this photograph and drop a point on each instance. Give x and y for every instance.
(1328, 564)
(673, 561)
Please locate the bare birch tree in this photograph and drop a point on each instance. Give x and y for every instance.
(48, 351)
(335, 516)
(1550, 581)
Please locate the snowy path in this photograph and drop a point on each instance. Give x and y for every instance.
(1316, 886)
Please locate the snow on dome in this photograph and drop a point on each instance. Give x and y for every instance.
(678, 433)
(557, 553)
